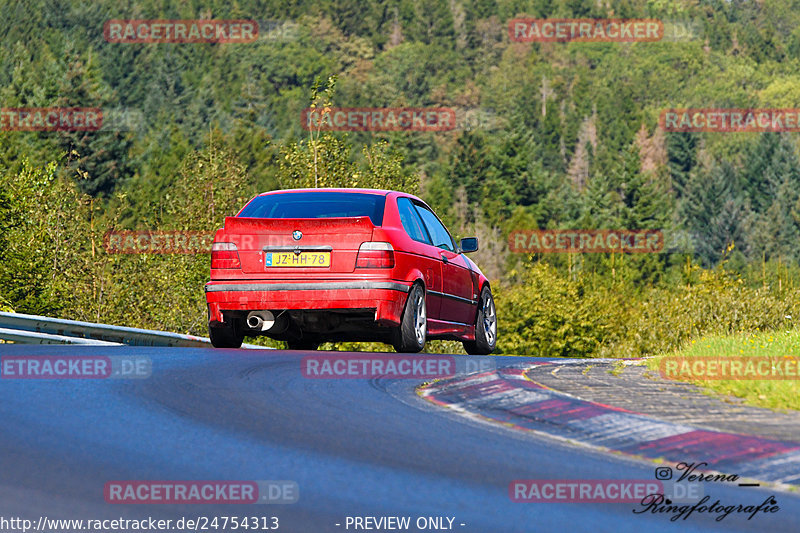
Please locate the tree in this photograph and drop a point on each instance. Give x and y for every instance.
(100, 157)
(681, 159)
(46, 250)
(469, 164)
(774, 189)
(714, 212)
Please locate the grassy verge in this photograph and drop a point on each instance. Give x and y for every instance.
(776, 346)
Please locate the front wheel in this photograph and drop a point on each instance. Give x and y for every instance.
(225, 337)
(410, 336)
(485, 326)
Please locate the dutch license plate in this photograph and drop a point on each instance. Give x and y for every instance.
(303, 259)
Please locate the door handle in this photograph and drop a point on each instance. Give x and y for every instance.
(444, 259)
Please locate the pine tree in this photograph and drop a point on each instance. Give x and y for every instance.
(469, 164)
(768, 163)
(100, 157)
(681, 159)
(714, 212)
(774, 186)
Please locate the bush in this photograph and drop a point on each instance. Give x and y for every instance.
(549, 314)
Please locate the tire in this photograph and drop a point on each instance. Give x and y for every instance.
(300, 344)
(485, 326)
(225, 337)
(410, 336)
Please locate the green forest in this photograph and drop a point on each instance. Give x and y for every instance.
(548, 135)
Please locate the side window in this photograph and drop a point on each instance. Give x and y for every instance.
(437, 231)
(411, 221)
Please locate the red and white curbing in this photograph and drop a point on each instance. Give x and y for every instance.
(508, 397)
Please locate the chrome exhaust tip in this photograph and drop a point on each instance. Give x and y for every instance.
(260, 320)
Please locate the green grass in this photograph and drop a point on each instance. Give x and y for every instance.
(773, 394)
(619, 366)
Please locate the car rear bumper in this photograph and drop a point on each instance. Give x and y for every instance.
(386, 297)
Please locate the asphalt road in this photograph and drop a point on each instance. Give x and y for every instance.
(363, 447)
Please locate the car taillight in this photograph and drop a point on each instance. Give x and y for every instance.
(375, 255)
(224, 255)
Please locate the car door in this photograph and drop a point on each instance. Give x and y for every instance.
(457, 301)
(427, 259)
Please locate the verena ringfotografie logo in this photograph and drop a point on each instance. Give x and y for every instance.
(526, 30)
(157, 242)
(730, 120)
(662, 503)
(583, 490)
(378, 119)
(51, 118)
(363, 366)
(733, 368)
(180, 31)
(75, 367)
(201, 492)
(585, 241)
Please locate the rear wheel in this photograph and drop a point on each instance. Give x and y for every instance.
(485, 326)
(410, 336)
(225, 336)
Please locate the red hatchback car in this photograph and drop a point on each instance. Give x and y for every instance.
(312, 265)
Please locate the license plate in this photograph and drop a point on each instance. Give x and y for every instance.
(303, 259)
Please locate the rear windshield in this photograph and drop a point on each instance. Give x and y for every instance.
(316, 205)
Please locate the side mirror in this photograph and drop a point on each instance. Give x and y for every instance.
(470, 244)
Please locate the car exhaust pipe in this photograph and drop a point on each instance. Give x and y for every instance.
(260, 320)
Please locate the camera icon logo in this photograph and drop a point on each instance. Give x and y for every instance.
(663, 473)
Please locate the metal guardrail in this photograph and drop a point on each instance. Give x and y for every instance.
(30, 337)
(34, 329)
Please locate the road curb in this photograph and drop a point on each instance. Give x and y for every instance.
(508, 397)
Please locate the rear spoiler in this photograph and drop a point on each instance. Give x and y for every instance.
(247, 225)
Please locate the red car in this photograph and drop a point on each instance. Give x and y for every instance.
(312, 265)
